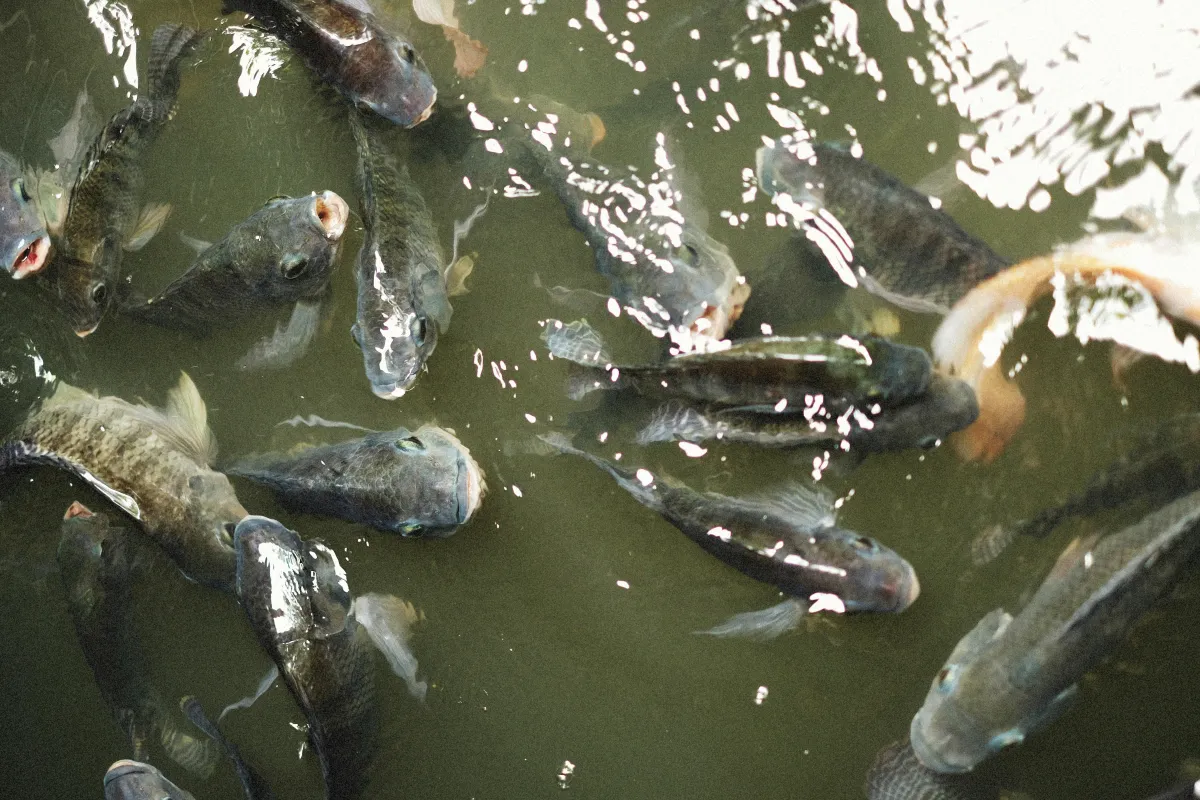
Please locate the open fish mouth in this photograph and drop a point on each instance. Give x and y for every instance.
(78, 509)
(426, 114)
(31, 258)
(331, 212)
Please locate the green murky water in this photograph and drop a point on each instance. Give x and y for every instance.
(560, 620)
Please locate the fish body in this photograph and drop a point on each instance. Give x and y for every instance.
(896, 774)
(283, 253)
(402, 302)
(136, 780)
(103, 215)
(96, 561)
(298, 602)
(1010, 675)
(151, 463)
(664, 269)
(947, 406)
(409, 482)
(348, 49)
(24, 242)
(789, 540)
(771, 373)
(901, 247)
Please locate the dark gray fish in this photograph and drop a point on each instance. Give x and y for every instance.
(103, 215)
(873, 229)
(297, 599)
(283, 253)
(1011, 675)
(96, 561)
(402, 302)
(135, 780)
(1161, 466)
(663, 268)
(422, 482)
(948, 405)
(896, 774)
(771, 374)
(24, 242)
(348, 49)
(153, 464)
(253, 784)
(789, 540)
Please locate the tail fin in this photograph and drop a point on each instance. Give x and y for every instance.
(674, 421)
(252, 783)
(577, 342)
(197, 756)
(168, 46)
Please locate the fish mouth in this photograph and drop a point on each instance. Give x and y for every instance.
(912, 590)
(331, 212)
(83, 333)
(926, 755)
(31, 258)
(124, 767)
(78, 509)
(714, 322)
(389, 391)
(472, 485)
(427, 113)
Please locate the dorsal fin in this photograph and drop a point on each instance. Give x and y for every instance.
(812, 506)
(188, 418)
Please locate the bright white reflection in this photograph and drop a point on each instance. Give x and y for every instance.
(115, 23)
(261, 56)
(1063, 92)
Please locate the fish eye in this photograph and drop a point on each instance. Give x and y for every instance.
(279, 197)
(420, 329)
(689, 254)
(408, 444)
(18, 187)
(863, 543)
(294, 266)
(227, 532)
(99, 293)
(407, 53)
(946, 677)
(927, 443)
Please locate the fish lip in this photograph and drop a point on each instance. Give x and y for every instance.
(427, 113)
(38, 256)
(331, 213)
(926, 755)
(389, 391)
(83, 333)
(914, 591)
(78, 509)
(472, 483)
(124, 767)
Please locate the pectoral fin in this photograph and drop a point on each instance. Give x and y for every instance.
(387, 620)
(457, 274)
(149, 223)
(763, 625)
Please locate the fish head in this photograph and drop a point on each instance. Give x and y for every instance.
(92, 554)
(83, 290)
(290, 250)
(964, 718)
(869, 576)
(24, 242)
(273, 582)
(215, 511)
(463, 480)
(134, 780)
(393, 81)
(789, 167)
(396, 351)
(899, 372)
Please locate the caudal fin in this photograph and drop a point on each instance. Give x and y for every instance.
(168, 46)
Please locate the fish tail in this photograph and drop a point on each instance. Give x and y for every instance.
(577, 342)
(991, 543)
(168, 46)
(764, 625)
(676, 421)
(1001, 414)
(198, 756)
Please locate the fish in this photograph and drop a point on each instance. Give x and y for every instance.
(347, 48)
(874, 230)
(770, 374)
(288, 343)
(896, 774)
(948, 405)
(283, 253)
(103, 217)
(96, 560)
(253, 784)
(1159, 467)
(297, 599)
(663, 267)
(402, 301)
(421, 482)
(1010, 676)
(24, 241)
(970, 340)
(151, 463)
(788, 538)
(136, 780)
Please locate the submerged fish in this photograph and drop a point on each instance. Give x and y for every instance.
(789, 539)
(948, 405)
(1161, 467)
(422, 482)
(969, 342)
(896, 774)
(1010, 675)
(873, 229)
(402, 302)
(153, 464)
(343, 43)
(135, 780)
(103, 215)
(97, 561)
(769, 374)
(24, 242)
(283, 253)
(663, 268)
(298, 602)
(253, 784)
